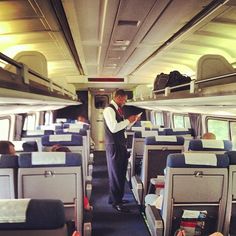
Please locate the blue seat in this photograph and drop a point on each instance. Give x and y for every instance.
(36, 133)
(156, 150)
(57, 175)
(138, 148)
(77, 144)
(210, 145)
(195, 181)
(229, 225)
(38, 217)
(180, 131)
(8, 176)
(35, 136)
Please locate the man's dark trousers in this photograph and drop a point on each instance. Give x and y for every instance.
(117, 161)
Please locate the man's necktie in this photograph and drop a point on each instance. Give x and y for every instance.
(120, 111)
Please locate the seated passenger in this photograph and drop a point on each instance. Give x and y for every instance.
(59, 148)
(208, 136)
(7, 147)
(82, 119)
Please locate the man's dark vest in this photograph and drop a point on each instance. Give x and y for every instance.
(119, 137)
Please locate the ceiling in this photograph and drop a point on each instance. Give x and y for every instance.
(134, 40)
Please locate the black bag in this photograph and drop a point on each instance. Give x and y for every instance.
(161, 81)
(176, 78)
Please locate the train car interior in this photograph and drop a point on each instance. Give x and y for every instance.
(61, 62)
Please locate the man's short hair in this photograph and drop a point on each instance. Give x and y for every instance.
(208, 136)
(120, 92)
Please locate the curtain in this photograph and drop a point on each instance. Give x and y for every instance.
(19, 126)
(166, 118)
(196, 124)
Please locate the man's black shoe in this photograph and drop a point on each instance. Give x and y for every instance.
(122, 202)
(121, 208)
(125, 201)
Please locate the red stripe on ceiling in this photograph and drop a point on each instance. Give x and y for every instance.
(105, 79)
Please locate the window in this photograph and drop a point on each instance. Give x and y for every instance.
(219, 127)
(224, 129)
(157, 118)
(48, 118)
(101, 101)
(5, 128)
(181, 121)
(29, 123)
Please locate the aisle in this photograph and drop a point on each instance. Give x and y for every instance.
(107, 221)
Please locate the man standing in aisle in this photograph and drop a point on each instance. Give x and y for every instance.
(116, 151)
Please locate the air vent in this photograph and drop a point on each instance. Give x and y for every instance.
(119, 48)
(121, 43)
(128, 23)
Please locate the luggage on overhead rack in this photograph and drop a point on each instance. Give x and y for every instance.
(174, 78)
(161, 81)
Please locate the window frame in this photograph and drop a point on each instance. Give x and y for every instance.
(154, 113)
(184, 115)
(10, 121)
(229, 121)
(26, 118)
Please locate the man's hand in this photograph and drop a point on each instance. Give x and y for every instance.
(133, 118)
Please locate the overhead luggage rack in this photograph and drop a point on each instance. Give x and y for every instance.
(215, 79)
(24, 79)
(197, 88)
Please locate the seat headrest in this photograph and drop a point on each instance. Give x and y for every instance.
(55, 159)
(30, 146)
(41, 214)
(164, 140)
(179, 131)
(63, 139)
(82, 132)
(36, 133)
(199, 160)
(210, 145)
(8, 161)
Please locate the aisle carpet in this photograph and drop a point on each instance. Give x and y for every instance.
(106, 220)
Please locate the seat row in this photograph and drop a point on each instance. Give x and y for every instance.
(76, 142)
(45, 175)
(156, 150)
(197, 182)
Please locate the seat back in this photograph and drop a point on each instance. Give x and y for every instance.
(35, 135)
(195, 181)
(25, 146)
(75, 142)
(32, 217)
(8, 176)
(210, 145)
(138, 147)
(156, 150)
(187, 133)
(229, 225)
(53, 175)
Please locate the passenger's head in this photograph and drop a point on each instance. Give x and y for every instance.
(59, 148)
(81, 119)
(7, 147)
(208, 136)
(120, 97)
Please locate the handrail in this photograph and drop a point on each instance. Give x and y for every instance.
(214, 78)
(10, 61)
(21, 67)
(177, 86)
